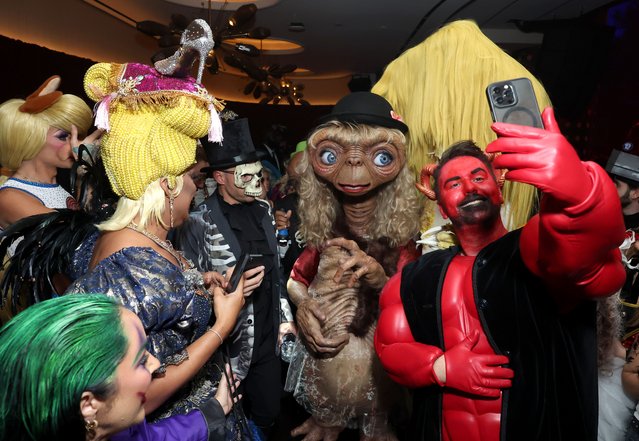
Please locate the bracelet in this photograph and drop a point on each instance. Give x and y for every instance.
(218, 335)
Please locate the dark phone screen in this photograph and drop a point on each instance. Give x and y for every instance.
(255, 260)
(240, 267)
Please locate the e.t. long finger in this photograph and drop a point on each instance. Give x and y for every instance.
(347, 244)
(329, 345)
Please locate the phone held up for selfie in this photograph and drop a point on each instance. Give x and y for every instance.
(514, 102)
(240, 267)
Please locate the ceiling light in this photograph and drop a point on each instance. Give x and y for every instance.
(296, 26)
(243, 15)
(271, 46)
(224, 4)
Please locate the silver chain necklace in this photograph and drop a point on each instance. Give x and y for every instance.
(165, 245)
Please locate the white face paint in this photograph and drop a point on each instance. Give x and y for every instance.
(249, 178)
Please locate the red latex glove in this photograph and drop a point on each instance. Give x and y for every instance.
(543, 158)
(477, 374)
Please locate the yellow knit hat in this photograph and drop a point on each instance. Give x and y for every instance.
(152, 121)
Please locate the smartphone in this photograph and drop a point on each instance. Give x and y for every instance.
(240, 267)
(254, 261)
(514, 102)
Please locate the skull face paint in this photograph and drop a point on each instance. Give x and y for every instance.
(249, 178)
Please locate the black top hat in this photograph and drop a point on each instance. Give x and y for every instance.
(236, 148)
(624, 166)
(365, 108)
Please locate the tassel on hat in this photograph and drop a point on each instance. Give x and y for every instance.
(215, 129)
(102, 112)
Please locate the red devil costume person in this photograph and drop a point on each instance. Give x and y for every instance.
(497, 335)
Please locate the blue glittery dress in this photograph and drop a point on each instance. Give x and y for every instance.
(172, 304)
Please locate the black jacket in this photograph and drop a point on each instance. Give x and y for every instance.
(554, 356)
(208, 240)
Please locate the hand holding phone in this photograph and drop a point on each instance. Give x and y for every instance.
(543, 158)
(255, 260)
(514, 102)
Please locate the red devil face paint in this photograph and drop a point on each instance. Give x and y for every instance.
(468, 192)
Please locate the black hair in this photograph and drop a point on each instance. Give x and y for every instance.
(461, 148)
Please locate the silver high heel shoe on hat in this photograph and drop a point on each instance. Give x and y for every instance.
(196, 39)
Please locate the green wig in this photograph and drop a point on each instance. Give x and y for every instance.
(50, 354)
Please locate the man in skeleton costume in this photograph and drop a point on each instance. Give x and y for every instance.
(229, 223)
(359, 212)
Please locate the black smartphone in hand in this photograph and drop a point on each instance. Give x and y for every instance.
(514, 102)
(240, 267)
(255, 260)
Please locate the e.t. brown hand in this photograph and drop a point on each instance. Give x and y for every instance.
(310, 319)
(364, 267)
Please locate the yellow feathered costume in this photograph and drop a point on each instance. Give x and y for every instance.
(439, 88)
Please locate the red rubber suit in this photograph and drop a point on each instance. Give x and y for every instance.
(580, 226)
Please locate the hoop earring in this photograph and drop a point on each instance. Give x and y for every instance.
(171, 199)
(90, 427)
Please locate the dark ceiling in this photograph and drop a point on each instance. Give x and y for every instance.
(339, 38)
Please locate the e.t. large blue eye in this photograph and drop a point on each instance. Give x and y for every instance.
(328, 157)
(382, 159)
